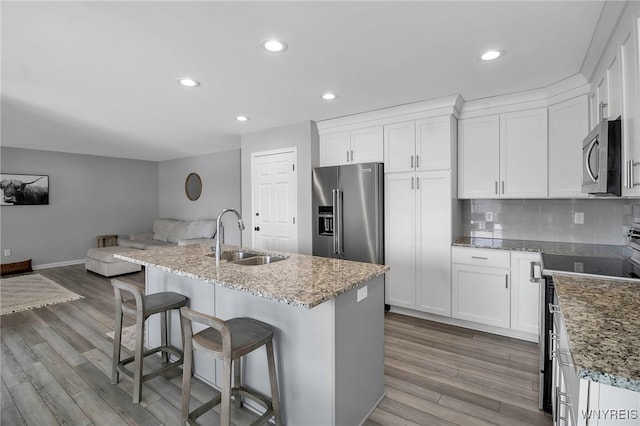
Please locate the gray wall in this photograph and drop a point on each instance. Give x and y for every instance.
(220, 174)
(88, 196)
(303, 136)
(605, 220)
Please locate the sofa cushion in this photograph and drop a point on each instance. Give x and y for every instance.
(177, 231)
(162, 228)
(200, 229)
(133, 244)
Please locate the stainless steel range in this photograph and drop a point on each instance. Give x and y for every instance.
(625, 266)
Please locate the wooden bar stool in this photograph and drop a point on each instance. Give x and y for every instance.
(229, 341)
(141, 308)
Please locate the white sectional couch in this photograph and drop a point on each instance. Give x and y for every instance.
(166, 232)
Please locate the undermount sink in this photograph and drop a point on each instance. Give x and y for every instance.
(248, 258)
(259, 260)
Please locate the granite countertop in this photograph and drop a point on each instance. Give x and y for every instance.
(571, 249)
(301, 280)
(603, 326)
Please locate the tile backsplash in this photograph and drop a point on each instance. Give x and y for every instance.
(606, 221)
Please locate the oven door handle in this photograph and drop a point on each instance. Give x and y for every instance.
(587, 163)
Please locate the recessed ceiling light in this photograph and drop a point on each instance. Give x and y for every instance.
(273, 45)
(188, 82)
(242, 118)
(490, 55)
(329, 96)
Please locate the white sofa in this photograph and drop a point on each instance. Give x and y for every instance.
(166, 232)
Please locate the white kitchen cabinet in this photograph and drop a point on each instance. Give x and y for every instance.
(419, 145)
(480, 286)
(418, 240)
(525, 291)
(503, 156)
(350, 147)
(629, 58)
(568, 126)
(479, 157)
(523, 154)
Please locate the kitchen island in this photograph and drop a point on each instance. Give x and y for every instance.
(327, 315)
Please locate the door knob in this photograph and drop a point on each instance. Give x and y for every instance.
(257, 228)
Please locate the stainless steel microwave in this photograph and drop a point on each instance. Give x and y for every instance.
(602, 160)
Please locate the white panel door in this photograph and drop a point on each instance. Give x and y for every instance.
(568, 126)
(525, 300)
(433, 251)
(274, 206)
(399, 147)
(481, 294)
(367, 145)
(479, 157)
(335, 149)
(523, 154)
(434, 143)
(630, 130)
(400, 239)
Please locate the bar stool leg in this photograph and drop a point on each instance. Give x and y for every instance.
(225, 415)
(138, 362)
(273, 380)
(237, 365)
(187, 367)
(163, 335)
(117, 342)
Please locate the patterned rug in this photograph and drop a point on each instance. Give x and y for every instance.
(31, 291)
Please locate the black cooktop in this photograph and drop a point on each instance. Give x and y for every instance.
(604, 266)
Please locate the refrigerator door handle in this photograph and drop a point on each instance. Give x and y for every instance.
(334, 194)
(338, 223)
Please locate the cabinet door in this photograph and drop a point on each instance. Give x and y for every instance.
(367, 145)
(433, 248)
(623, 405)
(481, 294)
(523, 154)
(400, 238)
(614, 105)
(525, 295)
(479, 157)
(602, 98)
(568, 126)
(399, 147)
(434, 143)
(335, 149)
(630, 136)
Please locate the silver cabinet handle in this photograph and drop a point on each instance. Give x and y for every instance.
(417, 183)
(411, 183)
(412, 161)
(554, 309)
(532, 272)
(603, 105)
(627, 183)
(351, 155)
(347, 156)
(496, 187)
(417, 161)
(479, 257)
(502, 187)
(506, 280)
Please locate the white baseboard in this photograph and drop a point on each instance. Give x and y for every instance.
(467, 324)
(57, 264)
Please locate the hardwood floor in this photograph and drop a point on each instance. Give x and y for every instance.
(56, 368)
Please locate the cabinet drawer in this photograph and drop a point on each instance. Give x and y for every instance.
(481, 257)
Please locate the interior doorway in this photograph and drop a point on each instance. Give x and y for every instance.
(274, 200)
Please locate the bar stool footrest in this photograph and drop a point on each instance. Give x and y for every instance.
(169, 349)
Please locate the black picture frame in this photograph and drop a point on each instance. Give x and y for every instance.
(24, 190)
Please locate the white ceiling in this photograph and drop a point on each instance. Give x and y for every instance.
(100, 77)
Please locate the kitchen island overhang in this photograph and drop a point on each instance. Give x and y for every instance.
(329, 345)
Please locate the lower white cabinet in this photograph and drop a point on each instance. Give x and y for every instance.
(418, 222)
(480, 286)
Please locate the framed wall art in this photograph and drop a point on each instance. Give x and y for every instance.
(24, 190)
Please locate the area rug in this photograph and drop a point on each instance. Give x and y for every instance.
(31, 291)
(128, 337)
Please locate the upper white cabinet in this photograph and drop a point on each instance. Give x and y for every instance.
(419, 145)
(503, 156)
(629, 61)
(355, 146)
(568, 126)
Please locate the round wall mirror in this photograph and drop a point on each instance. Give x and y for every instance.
(193, 186)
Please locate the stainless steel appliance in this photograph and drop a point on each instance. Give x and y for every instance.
(602, 159)
(625, 266)
(348, 208)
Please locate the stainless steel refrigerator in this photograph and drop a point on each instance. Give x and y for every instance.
(348, 209)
